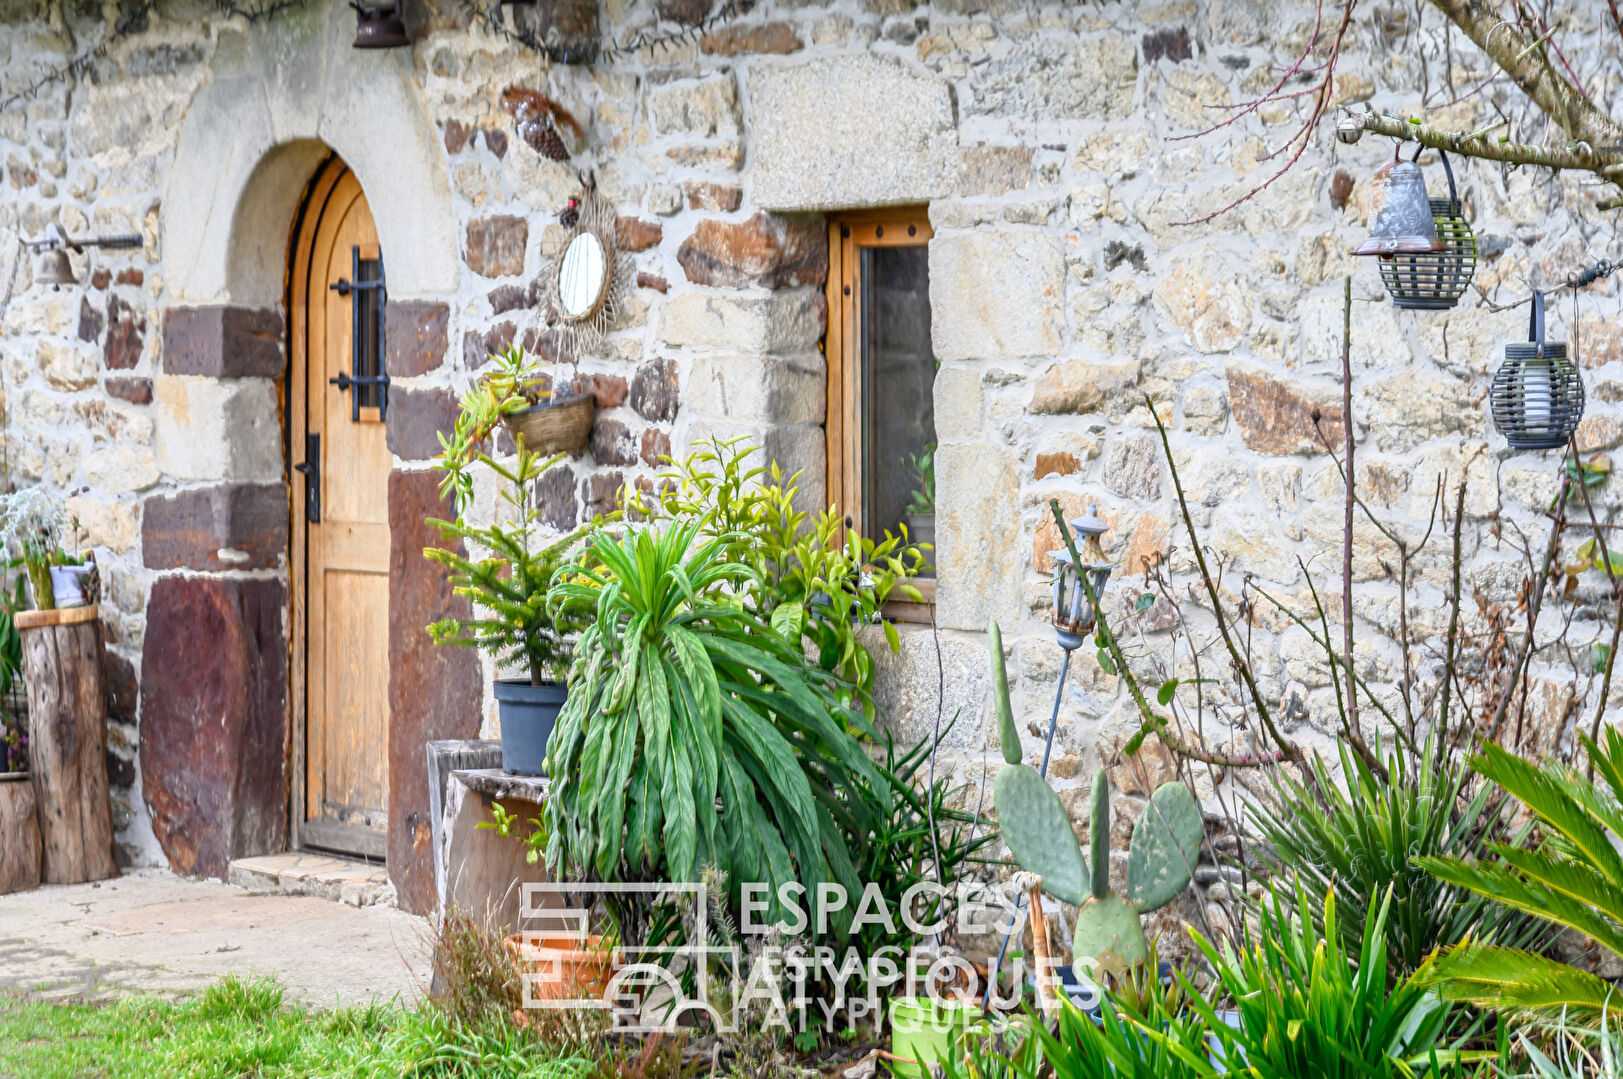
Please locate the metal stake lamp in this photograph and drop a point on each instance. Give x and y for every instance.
(1074, 619)
(1537, 398)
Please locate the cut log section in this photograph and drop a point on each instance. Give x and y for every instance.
(19, 835)
(67, 743)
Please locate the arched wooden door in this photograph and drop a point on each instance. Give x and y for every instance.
(341, 524)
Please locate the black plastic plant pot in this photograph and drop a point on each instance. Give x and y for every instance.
(528, 714)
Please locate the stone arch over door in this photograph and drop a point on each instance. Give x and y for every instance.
(217, 718)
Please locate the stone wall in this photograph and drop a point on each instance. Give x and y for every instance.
(1065, 289)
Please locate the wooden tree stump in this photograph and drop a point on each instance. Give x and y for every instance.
(67, 742)
(19, 836)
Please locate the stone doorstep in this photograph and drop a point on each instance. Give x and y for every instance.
(325, 876)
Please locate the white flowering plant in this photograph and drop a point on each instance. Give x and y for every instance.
(34, 527)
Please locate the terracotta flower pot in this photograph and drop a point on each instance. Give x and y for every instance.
(565, 969)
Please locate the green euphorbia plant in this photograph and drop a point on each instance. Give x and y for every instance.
(813, 577)
(511, 560)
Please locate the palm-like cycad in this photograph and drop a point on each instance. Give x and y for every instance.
(1574, 879)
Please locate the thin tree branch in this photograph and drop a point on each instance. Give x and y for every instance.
(1576, 156)
(1531, 70)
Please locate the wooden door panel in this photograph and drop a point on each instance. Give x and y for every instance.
(345, 554)
(357, 731)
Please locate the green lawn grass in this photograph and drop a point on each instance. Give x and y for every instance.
(245, 1029)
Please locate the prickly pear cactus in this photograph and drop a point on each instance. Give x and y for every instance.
(1099, 834)
(1108, 932)
(1030, 815)
(1165, 847)
(1161, 855)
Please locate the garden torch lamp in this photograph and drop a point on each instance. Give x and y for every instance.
(1073, 613)
(1073, 621)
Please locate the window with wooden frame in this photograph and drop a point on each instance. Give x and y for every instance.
(881, 378)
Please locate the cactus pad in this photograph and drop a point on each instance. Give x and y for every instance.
(1165, 847)
(1107, 932)
(1099, 834)
(1006, 734)
(1038, 831)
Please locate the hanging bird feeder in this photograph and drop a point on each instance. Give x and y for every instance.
(1537, 398)
(1435, 280)
(1400, 213)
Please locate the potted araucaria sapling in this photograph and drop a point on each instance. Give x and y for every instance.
(504, 568)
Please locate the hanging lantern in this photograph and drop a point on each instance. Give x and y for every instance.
(1073, 614)
(1400, 213)
(1435, 280)
(1537, 398)
(378, 24)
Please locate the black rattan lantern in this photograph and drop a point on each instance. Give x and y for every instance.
(1435, 280)
(1537, 397)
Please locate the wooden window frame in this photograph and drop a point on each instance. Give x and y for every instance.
(848, 233)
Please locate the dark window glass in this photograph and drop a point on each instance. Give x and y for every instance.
(368, 336)
(898, 393)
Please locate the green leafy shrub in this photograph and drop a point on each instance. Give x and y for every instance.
(806, 580)
(1572, 879)
(1361, 837)
(695, 734)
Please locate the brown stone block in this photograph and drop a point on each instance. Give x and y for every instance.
(434, 692)
(655, 390)
(611, 443)
(772, 37)
(416, 417)
(656, 446)
(416, 332)
(1278, 418)
(137, 391)
(214, 724)
(222, 342)
(636, 234)
(496, 245)
(765, 250)
(126, 335)
(230, 526)
(710, 195)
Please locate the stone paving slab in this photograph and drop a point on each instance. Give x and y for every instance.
(343, 880)
(152, 932)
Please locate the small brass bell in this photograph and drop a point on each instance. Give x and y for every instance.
(1400, 213)
(54, 269)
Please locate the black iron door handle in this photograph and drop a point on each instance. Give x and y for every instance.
(310, 468)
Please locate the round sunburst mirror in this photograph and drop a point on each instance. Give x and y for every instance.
(588, 278)
(582, 276)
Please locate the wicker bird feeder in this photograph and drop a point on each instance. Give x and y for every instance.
(1435, 280)
(1537, 398)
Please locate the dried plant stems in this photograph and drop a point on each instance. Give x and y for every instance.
(1453, 619)
(1153, 720)
(1535, 601)
(1354, 731)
